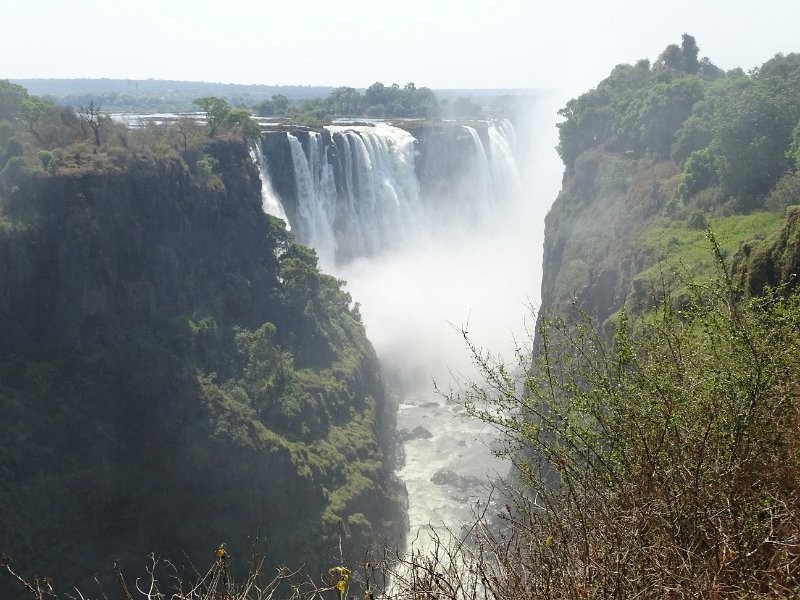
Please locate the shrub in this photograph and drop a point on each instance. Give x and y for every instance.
(785, 193)
(661, 463)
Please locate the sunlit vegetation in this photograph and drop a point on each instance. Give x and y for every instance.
(734, 134)
(655, 428)
(682, 246)
(661, 462)
(672, 147)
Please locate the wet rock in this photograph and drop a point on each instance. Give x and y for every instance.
(418, 433)
(450, 477)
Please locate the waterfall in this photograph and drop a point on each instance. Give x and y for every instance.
(503, 164)
(270, 202)
(314, 210)
(357, 193)
(420, 254)
(485, 188)
(357, 190)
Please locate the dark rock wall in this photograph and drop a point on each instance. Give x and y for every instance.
(107, 252)
(116, 440)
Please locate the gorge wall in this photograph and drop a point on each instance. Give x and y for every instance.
(654, 156)
(431, 224)
(176, 373)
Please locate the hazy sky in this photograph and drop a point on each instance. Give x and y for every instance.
(437, 43)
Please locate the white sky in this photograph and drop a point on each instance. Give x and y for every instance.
(437, 43)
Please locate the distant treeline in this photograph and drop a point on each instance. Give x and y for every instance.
(159, 94)
(378, 100)
(308, 104)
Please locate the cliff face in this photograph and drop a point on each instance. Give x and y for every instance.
(772, 260)
(107, 252)
(175, 372)
(592, 248)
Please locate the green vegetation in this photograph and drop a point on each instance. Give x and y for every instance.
(680, 245)
(174, 369)
(277, 105)
(655, 430)
(159, 95)
(654, 154)
(378, 100)
(662, 462)
(219, 114)
(731, 132)
(306, 105)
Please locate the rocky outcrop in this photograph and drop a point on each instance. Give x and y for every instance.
(772, 261)
(591, 250)
(105, 252)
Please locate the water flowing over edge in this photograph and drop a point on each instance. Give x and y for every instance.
(357, 189)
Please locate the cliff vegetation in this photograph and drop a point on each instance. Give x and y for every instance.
(655, 422)
(654, 155)
(175, 371)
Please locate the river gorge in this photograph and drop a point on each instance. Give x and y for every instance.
(437, 228)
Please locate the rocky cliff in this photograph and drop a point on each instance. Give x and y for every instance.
(175, 372)
(657, 155)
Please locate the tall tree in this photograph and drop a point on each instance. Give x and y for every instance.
(93, 118)
(689, 52)
(216, 110)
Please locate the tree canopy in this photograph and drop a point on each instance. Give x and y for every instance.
(731, 132)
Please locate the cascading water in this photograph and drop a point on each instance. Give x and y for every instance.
(270, 202)
(484, 175)
(505, 172)
(314, 207)
(417, 265)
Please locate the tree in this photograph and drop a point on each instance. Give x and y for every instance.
(375, 94)
(216, 110)
(265, 108)
(425, 103)
(241, 117)
(670, 59)
(345, 101)
(186, 126)
(752, 130)
(90, 115)
(11, 96)
(34, 109)
(315, 111)
(660, 111)
(689, 52)
(794, 150)
(281, 104)
(680, 59)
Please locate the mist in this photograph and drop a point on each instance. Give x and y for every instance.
(483, 277)
(434, 236)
